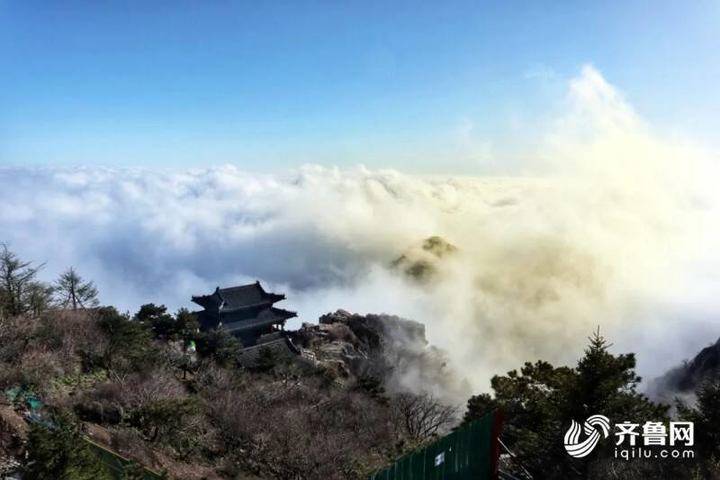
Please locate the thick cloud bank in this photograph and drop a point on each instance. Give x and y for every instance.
(616, 229)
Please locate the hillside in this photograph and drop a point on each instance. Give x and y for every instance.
(131, 385)
(683, 380)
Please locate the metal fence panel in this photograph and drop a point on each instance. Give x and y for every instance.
(117, 464)
(469, 452)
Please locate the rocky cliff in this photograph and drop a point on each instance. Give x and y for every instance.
(682, 380)
(389, 349)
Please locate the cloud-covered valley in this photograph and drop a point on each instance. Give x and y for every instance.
(610, 224)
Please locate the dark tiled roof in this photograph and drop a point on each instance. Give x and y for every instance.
(210, 302)
(246, 295)
(266, 317)
(233, 298)
(285, 314)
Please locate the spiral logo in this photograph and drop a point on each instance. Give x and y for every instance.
(593, 427)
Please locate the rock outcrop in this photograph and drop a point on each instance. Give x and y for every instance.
(422, 263)
(683, 380)
(390, 349)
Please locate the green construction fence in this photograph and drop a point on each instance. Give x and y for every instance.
(117, 464)
(470, 452)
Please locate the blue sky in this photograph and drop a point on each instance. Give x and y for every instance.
(445, 87)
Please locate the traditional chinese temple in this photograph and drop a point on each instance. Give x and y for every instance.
(246, 311)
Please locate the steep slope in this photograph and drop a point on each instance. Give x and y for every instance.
(682, 380)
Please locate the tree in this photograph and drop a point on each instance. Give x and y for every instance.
(162, 418)
(72, 291)
(38, 297)
(20, 292)
(129, 345)
(267, 360)
(540, 401)
(186, 325)
(183, 326)
(371, 385)
(219, 345)
(134, 471)
(706, 417)
(157, 319)
(60, 453)
(421, 417)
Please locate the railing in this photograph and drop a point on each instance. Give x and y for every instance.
(117, 464)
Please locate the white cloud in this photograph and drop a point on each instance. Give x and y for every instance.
(614, 233)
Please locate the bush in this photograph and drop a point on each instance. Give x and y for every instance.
(61, 453)
(129, 346)
(220, 346)
(300, 430)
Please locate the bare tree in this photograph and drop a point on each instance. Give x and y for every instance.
(19, 291)
(73, 292)
(421, 417)
(38, 297)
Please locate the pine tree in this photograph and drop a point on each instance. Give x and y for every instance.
(71, 291)
(706, 416)
(541, 400)
(60, 453)
(186, 325)
(218, 344)
(607, 384)
(133, 471)
(157, 319)
(20, 292)
(129, 342)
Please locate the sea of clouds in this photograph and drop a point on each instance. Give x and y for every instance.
(615, 226)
